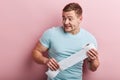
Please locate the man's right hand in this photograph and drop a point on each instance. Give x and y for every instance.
(39, 58)
(52, 64)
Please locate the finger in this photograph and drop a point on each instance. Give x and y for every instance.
(54, 63)
(51, 68)
(94, 53)
(90, 55)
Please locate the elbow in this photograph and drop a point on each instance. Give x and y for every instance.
(95, 67)
(33, 54)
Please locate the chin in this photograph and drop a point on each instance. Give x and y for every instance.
(66, 30)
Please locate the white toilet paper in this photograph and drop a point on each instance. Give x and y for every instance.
(72, 60)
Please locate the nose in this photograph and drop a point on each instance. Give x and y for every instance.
(66, 21)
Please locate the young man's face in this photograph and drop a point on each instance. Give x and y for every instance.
(71, 21)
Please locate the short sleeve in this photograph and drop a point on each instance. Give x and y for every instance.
(93, 40)
(45, 38)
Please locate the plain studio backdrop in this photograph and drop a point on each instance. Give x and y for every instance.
(22, 22)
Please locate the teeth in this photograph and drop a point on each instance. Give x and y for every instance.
(67, 26)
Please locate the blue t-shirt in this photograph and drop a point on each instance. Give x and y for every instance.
(62, 44)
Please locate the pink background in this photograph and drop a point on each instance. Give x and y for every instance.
(23, 21)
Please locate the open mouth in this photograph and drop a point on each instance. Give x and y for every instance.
(67, 27)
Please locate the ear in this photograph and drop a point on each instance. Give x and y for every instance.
(81, 17)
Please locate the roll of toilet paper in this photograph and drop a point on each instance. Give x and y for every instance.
(71, 60)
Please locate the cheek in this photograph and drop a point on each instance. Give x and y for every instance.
(73, 27)
(74, 24)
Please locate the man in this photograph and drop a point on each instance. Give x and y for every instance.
(63, 41)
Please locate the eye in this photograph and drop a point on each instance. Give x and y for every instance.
(64, 18)
(70, 19)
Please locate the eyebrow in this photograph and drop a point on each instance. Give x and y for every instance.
(68, 16)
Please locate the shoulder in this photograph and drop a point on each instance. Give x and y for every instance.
(87, 33)
(49, 31)
(52, 29)
(89, 37)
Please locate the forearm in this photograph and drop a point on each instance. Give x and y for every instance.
(39, 58)
(94, 64)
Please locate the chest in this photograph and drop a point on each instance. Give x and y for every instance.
(67, 45)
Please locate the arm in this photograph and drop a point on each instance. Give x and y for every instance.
(37, 55)
(93, 61)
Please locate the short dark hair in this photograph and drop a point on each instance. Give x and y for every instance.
(73, 6)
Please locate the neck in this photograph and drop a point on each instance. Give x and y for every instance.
(75, 31)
